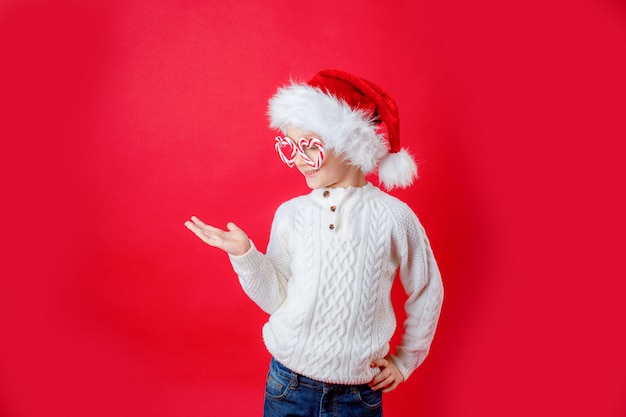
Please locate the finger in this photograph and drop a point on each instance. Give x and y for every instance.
(200, 225)
(379, 363)
(392, 387)
(232, 227)
(199, 229)
(203, 225)
(381, 377)
(197, 221)
(209, 238)
(208, 234)
(192, 226)
(385, 383)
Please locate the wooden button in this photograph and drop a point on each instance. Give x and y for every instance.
(326, 194)
(331, 227)
(333, 208)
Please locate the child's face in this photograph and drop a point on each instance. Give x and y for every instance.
(335, 171)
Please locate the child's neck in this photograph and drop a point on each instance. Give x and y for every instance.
(356, 182)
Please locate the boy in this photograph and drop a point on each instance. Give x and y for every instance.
(333, 254)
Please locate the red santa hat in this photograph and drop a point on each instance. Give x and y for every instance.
(354, 117)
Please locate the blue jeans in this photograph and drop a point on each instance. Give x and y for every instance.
(288, 394)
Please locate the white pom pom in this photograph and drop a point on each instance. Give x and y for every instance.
(397, 170)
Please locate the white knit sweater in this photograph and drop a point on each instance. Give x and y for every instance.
(326, 281)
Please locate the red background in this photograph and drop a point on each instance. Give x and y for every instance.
(119, 120)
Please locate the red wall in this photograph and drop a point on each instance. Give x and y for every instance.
(119, 120)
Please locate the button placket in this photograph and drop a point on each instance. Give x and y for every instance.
(333, 209)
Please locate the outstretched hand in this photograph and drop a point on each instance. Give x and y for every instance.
(389, 377)
(234, 240)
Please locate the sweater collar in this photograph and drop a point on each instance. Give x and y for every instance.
(338, 195)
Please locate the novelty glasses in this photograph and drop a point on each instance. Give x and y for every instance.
(311, 150)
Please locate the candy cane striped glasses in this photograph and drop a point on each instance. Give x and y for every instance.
(311, 150)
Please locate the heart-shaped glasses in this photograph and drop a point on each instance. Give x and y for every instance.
(311, 150)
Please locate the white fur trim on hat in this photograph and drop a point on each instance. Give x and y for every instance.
(349, 132)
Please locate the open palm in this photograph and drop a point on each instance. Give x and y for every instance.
(234, 240)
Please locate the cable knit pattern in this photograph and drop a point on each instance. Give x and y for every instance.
(374, 257)
(326, 282)
(301, 228)
(333, 314)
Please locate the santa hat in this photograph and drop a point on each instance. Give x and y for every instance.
(353, 116)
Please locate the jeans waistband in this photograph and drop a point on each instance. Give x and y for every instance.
(299, 379)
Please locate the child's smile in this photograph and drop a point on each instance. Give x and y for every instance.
(310, 172)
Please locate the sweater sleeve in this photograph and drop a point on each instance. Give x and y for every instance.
(264, 277)
(422, 283)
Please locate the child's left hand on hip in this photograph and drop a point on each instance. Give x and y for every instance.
(389, 377)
